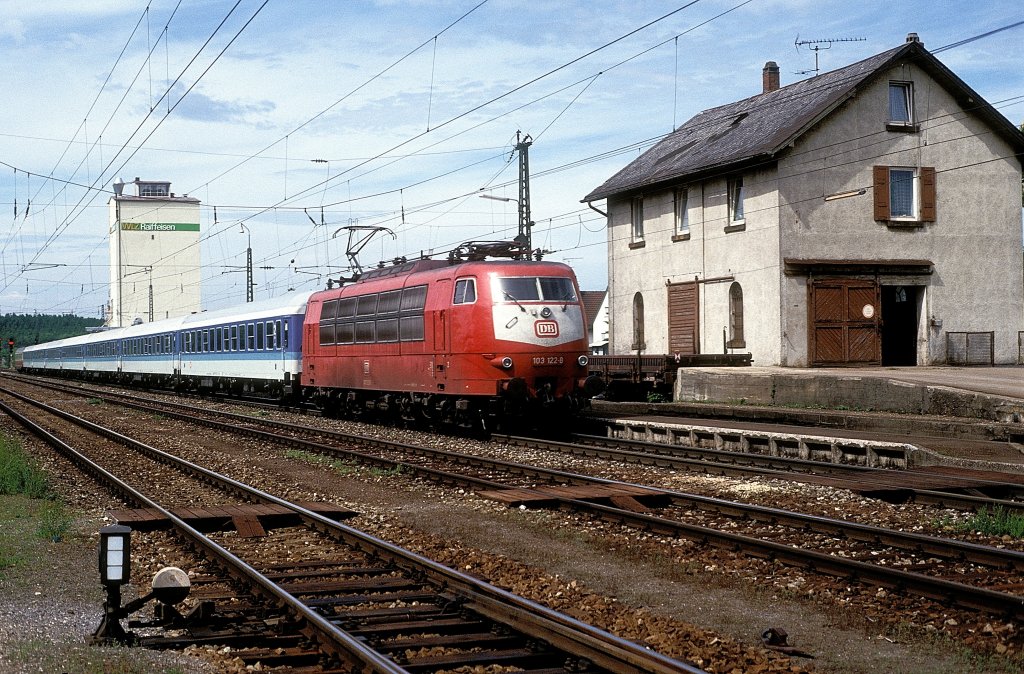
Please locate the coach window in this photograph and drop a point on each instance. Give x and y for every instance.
(285, 333)
(410, 326)
(387, 330)
(366, 305)
(259, 337)
(251, 343)
(327, 314)
(465, 291)
(277, 334)
(364, 332)
(414, 298)
(345, 330)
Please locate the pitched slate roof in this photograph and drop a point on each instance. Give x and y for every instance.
(592, 300)
(755, 129)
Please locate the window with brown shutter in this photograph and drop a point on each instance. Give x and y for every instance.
(927, 193)
(922, 195)
(881, 189)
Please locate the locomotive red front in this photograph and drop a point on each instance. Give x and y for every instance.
(465, 343)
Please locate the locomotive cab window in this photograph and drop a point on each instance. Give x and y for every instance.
(465, 291)
(533, 288)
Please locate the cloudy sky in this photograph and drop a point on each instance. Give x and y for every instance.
(285, 114)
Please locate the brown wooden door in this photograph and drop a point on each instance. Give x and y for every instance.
(844, 322)
(683, 319)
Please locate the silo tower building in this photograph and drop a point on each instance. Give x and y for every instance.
(154, 253)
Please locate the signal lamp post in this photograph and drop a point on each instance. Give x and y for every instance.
(115, 571)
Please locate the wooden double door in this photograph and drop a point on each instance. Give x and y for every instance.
(845, 322)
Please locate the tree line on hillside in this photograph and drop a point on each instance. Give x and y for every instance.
(29, 329)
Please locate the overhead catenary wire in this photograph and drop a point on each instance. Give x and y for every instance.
(285, 206)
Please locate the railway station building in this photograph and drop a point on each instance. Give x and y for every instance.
(870, 215)
(154, 253)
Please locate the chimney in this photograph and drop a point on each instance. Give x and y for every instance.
(912, 37)
(770, 76)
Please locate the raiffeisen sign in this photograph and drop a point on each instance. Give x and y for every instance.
(160, 226)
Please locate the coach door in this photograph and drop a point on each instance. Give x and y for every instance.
(444, 292)
(844, 322)
(683, 319)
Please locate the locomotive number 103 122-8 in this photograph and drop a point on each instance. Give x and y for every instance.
(539, 361)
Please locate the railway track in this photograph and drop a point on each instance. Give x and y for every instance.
(949, 571)
(337, 597)
(927, 486)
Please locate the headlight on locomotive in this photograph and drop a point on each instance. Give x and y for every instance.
(583, 360)
(503, 363)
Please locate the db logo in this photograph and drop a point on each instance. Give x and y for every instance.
(546, 328)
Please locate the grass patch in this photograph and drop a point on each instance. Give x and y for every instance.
(54, 521)
(995, 522)
(18, 473)
(83, 659)
(95, 401)
(343, 467)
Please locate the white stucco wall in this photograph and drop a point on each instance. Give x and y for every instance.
(712, 255)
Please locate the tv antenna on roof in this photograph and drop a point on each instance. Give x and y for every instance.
(817, 46)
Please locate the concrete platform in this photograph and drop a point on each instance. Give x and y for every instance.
(989, 393)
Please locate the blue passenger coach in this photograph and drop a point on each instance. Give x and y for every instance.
(256, 348)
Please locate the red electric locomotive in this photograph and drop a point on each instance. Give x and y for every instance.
(451, 343)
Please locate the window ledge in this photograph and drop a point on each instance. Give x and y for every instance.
(902, 127)
(736, 344)
(904, 224)
(737, 226)
(637, 244)
(680, 237)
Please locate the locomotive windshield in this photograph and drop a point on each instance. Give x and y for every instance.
(536, 288)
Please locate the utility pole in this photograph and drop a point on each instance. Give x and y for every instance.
(248, 263)
(248, 274)
(525, 237)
